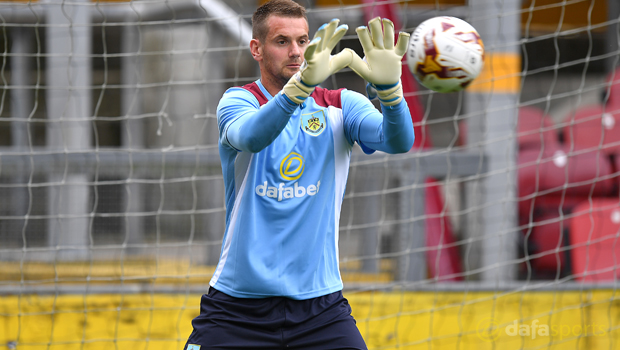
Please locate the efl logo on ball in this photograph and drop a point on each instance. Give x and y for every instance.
(445, 54)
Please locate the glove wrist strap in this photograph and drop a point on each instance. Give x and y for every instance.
(296, 90)
(391, 96)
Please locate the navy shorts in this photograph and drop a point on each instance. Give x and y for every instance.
(226, 322)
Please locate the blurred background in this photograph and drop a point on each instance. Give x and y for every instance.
(111, 193)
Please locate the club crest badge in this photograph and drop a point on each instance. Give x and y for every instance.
(313, 124)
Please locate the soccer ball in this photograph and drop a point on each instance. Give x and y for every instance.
(445, 54)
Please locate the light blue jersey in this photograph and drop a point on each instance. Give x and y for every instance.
(285, 169)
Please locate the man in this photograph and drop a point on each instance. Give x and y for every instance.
(285, 145)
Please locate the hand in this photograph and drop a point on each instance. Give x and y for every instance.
(382, 64)
(319, 64)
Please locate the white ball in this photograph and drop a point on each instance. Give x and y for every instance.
(445, 54)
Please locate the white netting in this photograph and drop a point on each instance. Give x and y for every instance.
(498, 230)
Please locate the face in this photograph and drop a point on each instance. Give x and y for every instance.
(282, 53)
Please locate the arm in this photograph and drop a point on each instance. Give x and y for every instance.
(390, 131)
(245, 126)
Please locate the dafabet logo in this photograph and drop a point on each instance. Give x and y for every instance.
(487, 329)
(291, 168)
(490, 330)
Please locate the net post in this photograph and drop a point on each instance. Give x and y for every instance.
(132, 132)
(493, 107)
(369, 211)
(411, 242)
(21, 102)
(68, 96)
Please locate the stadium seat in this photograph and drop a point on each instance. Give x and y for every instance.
(535, 129)
(552, 180)
(593, 127)
(442, 257)
(555, 175)
(547, 235)
(595, 240)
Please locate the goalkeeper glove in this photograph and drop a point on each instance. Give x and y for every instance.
(319, 64)
(381, 66)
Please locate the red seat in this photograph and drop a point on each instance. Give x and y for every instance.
(543, 241)
(593, 127)
(555, 172)
(595, 240)
(535, 129)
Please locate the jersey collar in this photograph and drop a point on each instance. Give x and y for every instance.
(263, 90)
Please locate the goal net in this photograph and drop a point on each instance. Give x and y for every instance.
(499, 229)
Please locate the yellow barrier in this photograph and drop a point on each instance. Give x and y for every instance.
(97, 321)
(487, 320)
(387, 320)
(148, 271)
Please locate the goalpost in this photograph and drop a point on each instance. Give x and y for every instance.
(499, 229)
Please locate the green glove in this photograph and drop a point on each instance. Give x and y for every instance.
(319, 64)
(382, 65)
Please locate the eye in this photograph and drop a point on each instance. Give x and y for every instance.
(281, 42)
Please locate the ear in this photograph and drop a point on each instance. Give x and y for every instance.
(256, 49)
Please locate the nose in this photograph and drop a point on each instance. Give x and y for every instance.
(296, 50)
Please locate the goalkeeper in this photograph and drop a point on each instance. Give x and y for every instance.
(285, 145)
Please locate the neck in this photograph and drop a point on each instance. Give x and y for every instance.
(272, 85)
